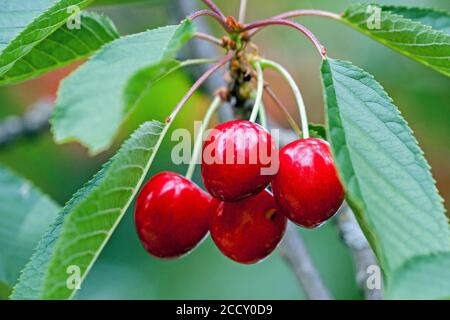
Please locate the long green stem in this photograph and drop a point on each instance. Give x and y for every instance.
(199, 139)
(259, 91)
(263, 116)
(298, 96)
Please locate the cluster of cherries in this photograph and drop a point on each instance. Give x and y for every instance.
(245, 220)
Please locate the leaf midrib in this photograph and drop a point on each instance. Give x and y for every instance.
(361, 204)
(399, 165)
(350, 150)
(413, 152)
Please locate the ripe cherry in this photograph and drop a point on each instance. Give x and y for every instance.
(247, 231)
(307, 188)
(171, 215)
(240, 159)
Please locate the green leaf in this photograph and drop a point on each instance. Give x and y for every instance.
(421, 34)
(31, 281)
(93, 101)
(25, 24)
(25, 213)
(387, 180)
(142, 81)
(63, 47)
(424, 277)
(87, 222)
(437, 19)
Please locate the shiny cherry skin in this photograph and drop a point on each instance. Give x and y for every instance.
(171, 215)
(307, 187)
(240, 159)
(247, 231)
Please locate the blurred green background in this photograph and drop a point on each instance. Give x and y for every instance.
(124, 270)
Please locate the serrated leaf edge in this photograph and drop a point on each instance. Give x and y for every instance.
(386, 43)
(124, 209)
(57, 26)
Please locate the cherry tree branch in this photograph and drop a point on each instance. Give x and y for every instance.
(363, 255)
(295, 253)
(30, 124)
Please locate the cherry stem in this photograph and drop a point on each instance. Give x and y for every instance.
(209, 38)
(298, 96)
(212, 14)
(259, 25)
(307, 12)
(263, 116)
(242, 11)
(214, 8)
(199, 139)
(284, 109)
(198, 83)
(259, 91)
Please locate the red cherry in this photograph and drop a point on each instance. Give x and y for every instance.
(249, 230)
(240, 159)
(171, 215)
(307, 188)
